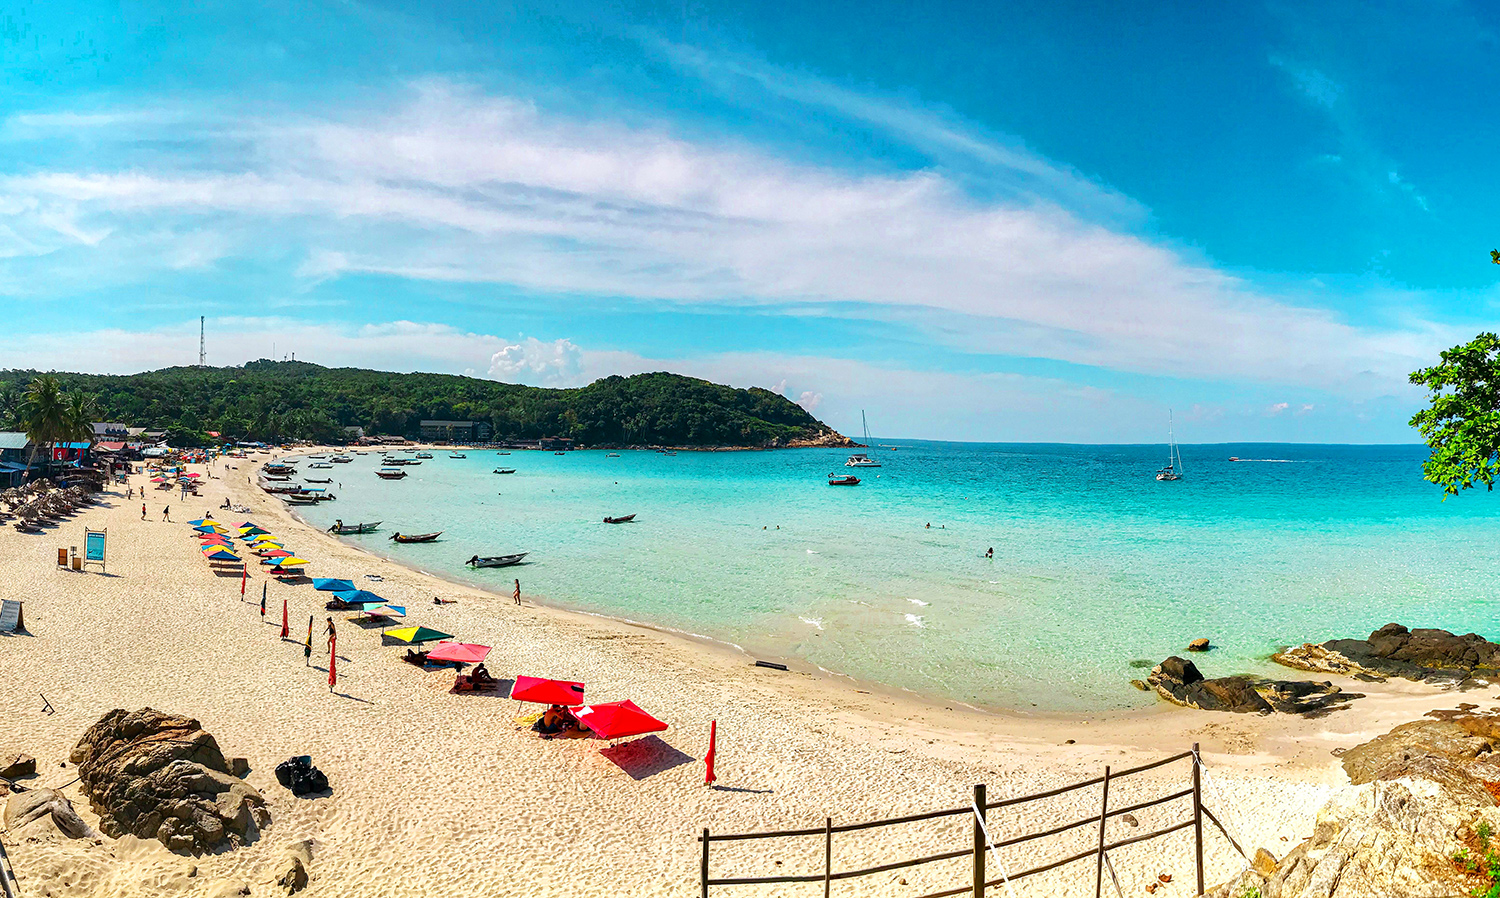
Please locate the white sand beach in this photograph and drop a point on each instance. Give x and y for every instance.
(435, 792)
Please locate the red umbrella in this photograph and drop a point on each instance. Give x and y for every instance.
(275, 553)
(546, 692)
(462, 652)
(617, 720)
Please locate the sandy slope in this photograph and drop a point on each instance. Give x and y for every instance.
(438, 793)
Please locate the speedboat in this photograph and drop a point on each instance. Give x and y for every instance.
(505, 470)
(458, 455)
(846, 480)
(496, 560)
(390, 473)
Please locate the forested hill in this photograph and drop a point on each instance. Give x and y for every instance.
(268, 400)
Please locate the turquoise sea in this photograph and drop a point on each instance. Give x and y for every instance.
(1096, 563)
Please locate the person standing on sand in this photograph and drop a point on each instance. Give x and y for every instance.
(143, 511)
(517, 596)
(330, 631)
(166, 514)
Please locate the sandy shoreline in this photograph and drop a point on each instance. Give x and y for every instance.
(434, 790)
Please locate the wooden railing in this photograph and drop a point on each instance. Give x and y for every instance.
(982, 846)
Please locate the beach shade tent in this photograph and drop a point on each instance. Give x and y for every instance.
(617, 720)
(358, 597)
(158, 479)
(546, 692)
(250, 533)
(460, 652)
(276, 552)
(222, 555)
(215, 543)
(292, 561)
(204, 522)
(417, 635)
(332, 585)
(375, 611)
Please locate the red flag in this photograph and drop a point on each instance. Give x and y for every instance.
(713, 742)
(333, 653)
(244, 575)
(285, 629)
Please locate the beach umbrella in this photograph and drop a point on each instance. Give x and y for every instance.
(158, 479)
(204, 522)
(291, 561)
(617, 720)
(358, 597)
(385, 611)
(211, 545)
(223, 555)
(194, 476)
(327, 584)
(546, 692)
(461, 652)
(277, 552)
(713, 749)
(415, 635)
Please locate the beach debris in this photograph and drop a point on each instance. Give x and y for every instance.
(299, 775)
(1199, 645)
(1424, 655)
(1129, 820)
(39, 808)
(22, 765)
(771, 664)
(1179, 681)
(156, 775)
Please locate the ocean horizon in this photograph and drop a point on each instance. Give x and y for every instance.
(1098, 571)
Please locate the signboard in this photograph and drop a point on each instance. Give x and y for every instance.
(10, 617)
(93, 547)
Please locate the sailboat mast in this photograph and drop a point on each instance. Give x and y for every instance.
(866, 425)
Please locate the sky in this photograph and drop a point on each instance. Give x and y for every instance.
(990, 221)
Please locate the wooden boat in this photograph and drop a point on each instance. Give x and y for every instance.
(390, 473)
(846, 480)
(496, 560)
(315, 480)
(458, 455)
(625, 520)
(559, 453)
(273, 490)
(281, 477)
(300, 499)
(613, 455)
(502, 453)
(344, 529)
(400, 537)
(341, 459)
(424, 455)
(504, 471)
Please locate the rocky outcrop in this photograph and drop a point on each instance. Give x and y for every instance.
(1425, 655)
(160, 776)
(1420, 822)
(27, 813)
(1179, 681)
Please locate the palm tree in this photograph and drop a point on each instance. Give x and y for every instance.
(44, 415)
(79, 418)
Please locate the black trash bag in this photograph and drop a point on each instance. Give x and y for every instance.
(299, 775)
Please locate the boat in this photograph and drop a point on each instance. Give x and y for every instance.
(1173, 470)
(457, 455)
(300, 499)
(846, 480)
(496, 560)
(321, 464)
(315, 480)
(559, 453)
(1234, 458)
(613, 455)
(400, 537)
(279, 477)
(862, 460)
(390, 473)
(424, 455)
(341, 459)
(502, 453)
(672, 452)
(504, 471)
(625, 520)
(343, 529)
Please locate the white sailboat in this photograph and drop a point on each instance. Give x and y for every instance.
(861, 460)
(1173, 470)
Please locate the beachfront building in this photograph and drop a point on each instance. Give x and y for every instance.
(14, 451)
(110, 431)
(455, 431)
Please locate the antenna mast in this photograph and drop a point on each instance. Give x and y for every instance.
(202, 356)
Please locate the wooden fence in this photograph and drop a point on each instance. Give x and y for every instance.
(981, 844)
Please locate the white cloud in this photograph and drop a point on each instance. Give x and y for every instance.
(455, 185)
(531, 361)
(1277, 408)
(809, 400)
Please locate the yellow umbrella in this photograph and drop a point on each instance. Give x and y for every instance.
(289, 562)
(264, 537)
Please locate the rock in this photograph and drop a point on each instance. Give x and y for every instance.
(1264, 863)
(239, 767)
(1141, 685)
(1461, 736)
(292, 868)
(23, 765)
(157, 775)
(1198, 645)
(1425, 655)
(25, 808)
(1180, 682)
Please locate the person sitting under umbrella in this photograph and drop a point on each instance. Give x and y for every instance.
(556, 719)
(481, 675)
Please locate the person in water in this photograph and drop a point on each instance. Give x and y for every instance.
(990, 553)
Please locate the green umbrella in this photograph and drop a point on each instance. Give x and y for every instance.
(414, 635)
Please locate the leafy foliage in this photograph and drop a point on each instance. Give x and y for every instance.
(1462, 423)
(268, 400)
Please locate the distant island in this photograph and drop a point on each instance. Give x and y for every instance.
(272, 401)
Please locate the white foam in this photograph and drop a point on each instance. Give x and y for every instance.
(919, 603)
(815, 621)
(915, 620)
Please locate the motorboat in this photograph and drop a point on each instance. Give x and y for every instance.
(342, 459)
(504, 471)
(400, 537)
(321, 464)
(623, 520)
(390, 473)
(846, 480)
(457, 455)
(496, 560)
(861, 461)
(343, 529)
(424, 455)
(613, 455)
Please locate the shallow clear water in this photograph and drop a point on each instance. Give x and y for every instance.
(1096, 563)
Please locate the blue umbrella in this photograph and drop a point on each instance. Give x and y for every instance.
(333, 585)
(359, 597)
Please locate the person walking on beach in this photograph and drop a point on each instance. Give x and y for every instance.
(330, 631)
(166, 514)
(143, 511)
(517, 596)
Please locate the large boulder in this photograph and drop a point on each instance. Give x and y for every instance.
(157, 775)
(1425, 655)
(1179, 681)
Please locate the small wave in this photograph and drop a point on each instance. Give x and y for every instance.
(812, 552)
(915, 620)
(814, 621)
(919, 602)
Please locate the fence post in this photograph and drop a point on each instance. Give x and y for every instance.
(1198, 814)
(705, 862)
(1103, 818)
(979, 846)
(827, 855)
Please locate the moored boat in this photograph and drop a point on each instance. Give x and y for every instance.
(504, 471)
(496, 560)
(622, 520)
(400, 537)
(846, 480)
(390, 473)
(343, 529)
(457, 455)
(424, 455)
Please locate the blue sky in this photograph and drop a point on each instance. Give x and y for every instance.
(1018, 221)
